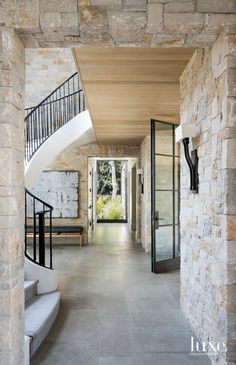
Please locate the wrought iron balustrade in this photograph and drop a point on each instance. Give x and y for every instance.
(38, 225)
(63, 104)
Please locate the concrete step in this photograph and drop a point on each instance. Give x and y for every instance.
(40, 314)
(30, 287)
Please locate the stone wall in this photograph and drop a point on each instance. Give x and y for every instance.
(45, 70)
(59, 23)
(208, 219)
(146, 196)
(77, 159)
(11, 199)
(50, 23)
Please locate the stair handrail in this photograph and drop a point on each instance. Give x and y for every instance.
(39, 234)
(54, 111)
(58, 108)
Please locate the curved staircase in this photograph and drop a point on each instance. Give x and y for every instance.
(59, 121)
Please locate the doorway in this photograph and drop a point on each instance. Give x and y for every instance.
(112, 199)
(165, 196)
(111, 194)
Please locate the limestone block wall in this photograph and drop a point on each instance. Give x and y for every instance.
(11, 198)
(45, 70)
(77, 159)
(208, 220)
(146, 196)
(50, 23)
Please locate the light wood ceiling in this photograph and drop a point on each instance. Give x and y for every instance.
(126, 87)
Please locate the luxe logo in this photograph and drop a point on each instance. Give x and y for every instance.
(207, 347)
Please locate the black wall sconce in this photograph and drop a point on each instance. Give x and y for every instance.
(141, 179)
(183, 133)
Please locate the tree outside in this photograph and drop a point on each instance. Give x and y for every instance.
(111, 190)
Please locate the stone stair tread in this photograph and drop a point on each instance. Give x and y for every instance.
(30, 288)
(40, 314)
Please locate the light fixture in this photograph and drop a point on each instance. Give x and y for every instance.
(141, 179)
(183, 133)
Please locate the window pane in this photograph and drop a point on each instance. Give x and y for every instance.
(164, 138)
(177, 241)
(176, 207)
(164, 243)
(164, 172)
(164, 206)
(177, 172)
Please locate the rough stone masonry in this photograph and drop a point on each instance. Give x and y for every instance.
(166, 23)
(208, 219)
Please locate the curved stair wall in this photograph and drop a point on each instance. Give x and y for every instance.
(77, 131)
(47, 278)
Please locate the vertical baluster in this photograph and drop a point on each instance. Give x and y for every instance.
(59, 107)
(28, 127)
(38, 127)
(35, 232)
(26, 140)
(64, 105)
(42, 121)
(47, 119)
(40, 124)
(32, 133)
(35, 128)
(35, 137)
(50, 117)
(53, 102)
(83, 100)
(68, 102)
(50, 238)
(55, 112)
(26, 225)
(41, 218)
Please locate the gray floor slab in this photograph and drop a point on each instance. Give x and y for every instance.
(113, 310)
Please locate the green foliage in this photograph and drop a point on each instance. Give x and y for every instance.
(109, 208)
(102, 200)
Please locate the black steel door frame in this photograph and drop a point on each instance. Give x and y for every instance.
(174, 263)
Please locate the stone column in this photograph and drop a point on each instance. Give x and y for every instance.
(146, 228)
(229, 185)
(11, 198)
(208, 219)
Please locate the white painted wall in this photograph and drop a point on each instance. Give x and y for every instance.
(47, 278)
(76, 132)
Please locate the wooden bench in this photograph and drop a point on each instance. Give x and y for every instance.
(62, 231)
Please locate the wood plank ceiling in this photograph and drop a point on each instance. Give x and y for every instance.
(126, 87)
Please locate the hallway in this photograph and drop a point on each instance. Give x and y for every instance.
(114, 311)
(107, 233)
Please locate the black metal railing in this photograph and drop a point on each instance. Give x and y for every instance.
(38, 227)
(54, 111)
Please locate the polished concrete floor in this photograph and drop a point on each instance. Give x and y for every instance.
(108, 233)
(114, 311)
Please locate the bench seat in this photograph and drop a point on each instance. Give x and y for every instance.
(61, 231)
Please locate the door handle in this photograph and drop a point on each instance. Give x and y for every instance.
(157, 219)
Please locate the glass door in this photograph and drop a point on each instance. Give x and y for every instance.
(165, 195)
